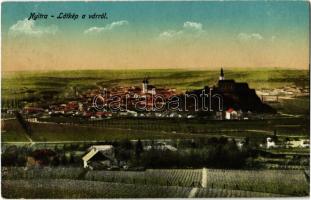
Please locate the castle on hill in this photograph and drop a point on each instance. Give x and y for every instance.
(240, 97)
(235, 95)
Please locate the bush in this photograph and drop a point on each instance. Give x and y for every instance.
(220, 154)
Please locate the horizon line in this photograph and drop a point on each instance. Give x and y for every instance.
(167, 68)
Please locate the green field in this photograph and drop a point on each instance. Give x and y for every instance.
(296, 106)
(132, 128)
(50, 182)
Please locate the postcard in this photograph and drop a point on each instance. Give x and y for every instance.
(155, 99)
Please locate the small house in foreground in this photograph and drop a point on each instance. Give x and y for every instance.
(99, 156)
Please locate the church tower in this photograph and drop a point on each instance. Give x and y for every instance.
(222, 75)
(145, 85)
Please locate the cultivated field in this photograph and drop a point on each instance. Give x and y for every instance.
(63, 188)
(288, 182)
(51, 182)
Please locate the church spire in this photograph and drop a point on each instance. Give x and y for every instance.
(145, 85)
(222, 75)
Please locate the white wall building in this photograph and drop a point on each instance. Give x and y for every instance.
(270, 143)
(231, 114)
(106, 150)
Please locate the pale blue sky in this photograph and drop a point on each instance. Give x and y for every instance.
(280, 27)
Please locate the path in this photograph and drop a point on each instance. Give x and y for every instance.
(29, 138)
(204, 178)
(194, 191)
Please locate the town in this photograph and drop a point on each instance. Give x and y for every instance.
(149, 101)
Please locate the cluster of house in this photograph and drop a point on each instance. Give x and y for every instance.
(164, 114)
(75, 109)
(96, 104)
(299, 143)
(72, 108)
(83, 106)
(287, 91)
(132, 97)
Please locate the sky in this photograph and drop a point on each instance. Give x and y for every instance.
(158, 35)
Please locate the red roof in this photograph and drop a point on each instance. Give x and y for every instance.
(230, 110)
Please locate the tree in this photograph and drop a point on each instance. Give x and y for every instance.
(246, 141)
(63, 160)
(123, 152)
(20, 160)
(126, 144)
(55, 161)
(138, 148)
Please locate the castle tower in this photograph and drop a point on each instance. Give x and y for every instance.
(145, 85)
(222, 75)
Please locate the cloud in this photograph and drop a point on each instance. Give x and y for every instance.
(193, 26)
(169, 34)
(192, 29)
(250, 37)
(28, 27)
(108, 27)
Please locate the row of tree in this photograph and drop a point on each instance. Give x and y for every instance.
(212, 152)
